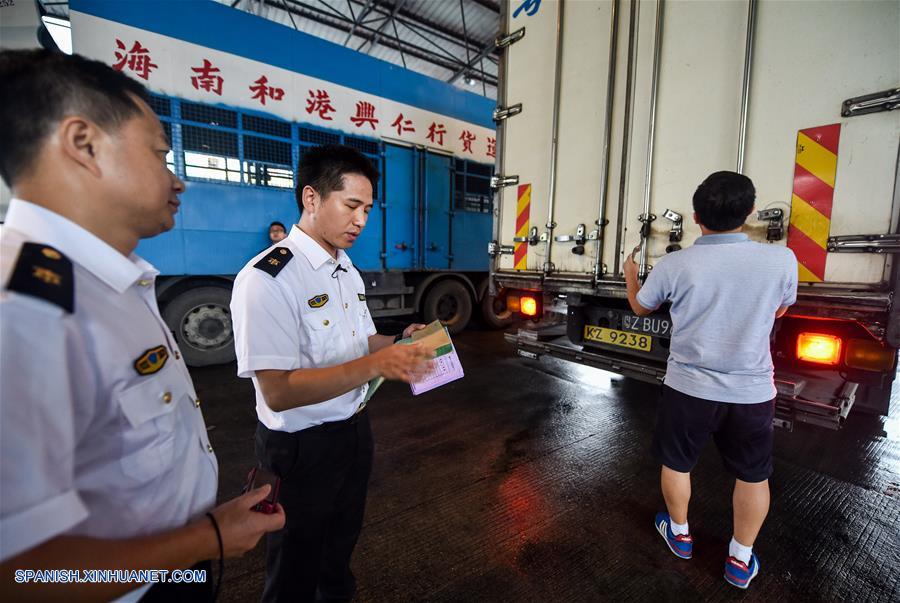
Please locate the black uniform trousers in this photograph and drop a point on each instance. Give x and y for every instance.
(324, 473)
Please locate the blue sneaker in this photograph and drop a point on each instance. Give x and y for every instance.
(738, 573)
(682, 545)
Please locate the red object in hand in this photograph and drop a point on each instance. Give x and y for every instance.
(259, 477)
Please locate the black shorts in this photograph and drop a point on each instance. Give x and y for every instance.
(743, 434)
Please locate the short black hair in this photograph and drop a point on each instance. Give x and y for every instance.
(724, 200)
(39, 88)
(277, 223)
(323, 168)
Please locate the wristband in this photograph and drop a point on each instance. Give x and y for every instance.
(215, 525)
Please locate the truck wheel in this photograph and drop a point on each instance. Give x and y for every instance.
(201, 321)
(448, 301)
(493, 315)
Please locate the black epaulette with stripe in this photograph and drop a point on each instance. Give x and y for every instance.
(275, 260)
(43, 272)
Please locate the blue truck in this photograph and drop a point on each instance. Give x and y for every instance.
(424, 249)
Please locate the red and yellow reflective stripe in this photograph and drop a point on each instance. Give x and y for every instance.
(815, 169)
(523, 211)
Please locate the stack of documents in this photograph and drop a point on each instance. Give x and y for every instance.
(445, 365)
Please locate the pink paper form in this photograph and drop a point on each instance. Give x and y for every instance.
(446, 369)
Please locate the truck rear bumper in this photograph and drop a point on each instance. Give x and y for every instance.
(791, 405)
(552, 341)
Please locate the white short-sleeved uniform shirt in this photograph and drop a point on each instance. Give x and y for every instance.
(293, 309)
(101, 433)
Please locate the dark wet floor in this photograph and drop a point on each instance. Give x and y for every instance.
(532, 481)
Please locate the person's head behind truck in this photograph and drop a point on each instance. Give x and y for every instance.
(277, 232)
(335, 186)
(723, 201)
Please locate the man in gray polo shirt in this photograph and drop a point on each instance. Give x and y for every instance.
(726, 292)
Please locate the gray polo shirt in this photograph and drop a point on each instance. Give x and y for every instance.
(725, 291)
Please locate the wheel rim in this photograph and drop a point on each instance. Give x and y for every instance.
(207, 327)
(447, 308)
(498, 310)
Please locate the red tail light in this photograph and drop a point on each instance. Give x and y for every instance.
(819, 348)
(528, 306)
(524, 303)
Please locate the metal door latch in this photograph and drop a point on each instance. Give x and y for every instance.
(594, 235)
(501, 113)
(646, 220)
(579, 239)
(501, 181)
(677, 231)
(495, 249)
(874, 243)
(531, 239)
(886, 100)
(775, 218)
(579, 236)
(548, 234)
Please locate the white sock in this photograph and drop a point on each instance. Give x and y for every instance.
(679, 528)
(739, 551)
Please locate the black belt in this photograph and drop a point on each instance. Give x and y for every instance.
(337, 425)
(329, 426)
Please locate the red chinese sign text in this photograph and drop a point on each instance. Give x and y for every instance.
(365, 113)
(261, 90)
(467, 138)
(206, 78)
(137, 59)
(436, 130)
(403, 125)
(319, 102)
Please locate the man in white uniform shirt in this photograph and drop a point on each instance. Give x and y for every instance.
(104, 457)
(304, 335)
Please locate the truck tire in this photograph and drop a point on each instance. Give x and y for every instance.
(201, 320)
(448, 301)
(493, 318)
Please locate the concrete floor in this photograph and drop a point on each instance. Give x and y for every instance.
(532, 481)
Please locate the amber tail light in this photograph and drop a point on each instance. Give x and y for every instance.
(819, 348)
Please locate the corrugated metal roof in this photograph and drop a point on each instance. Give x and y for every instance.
(426, 36)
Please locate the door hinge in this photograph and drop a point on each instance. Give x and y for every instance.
(886, 100)
(875, 243)
(510, 39)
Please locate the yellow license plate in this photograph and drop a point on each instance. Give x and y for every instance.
(624, 339)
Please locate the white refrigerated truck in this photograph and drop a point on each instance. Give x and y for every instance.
(611, 112)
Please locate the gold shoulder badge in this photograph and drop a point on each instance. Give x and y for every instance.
(274, 261)
(318, 301)
(361, 297)
(43, 272)
(152, 360)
